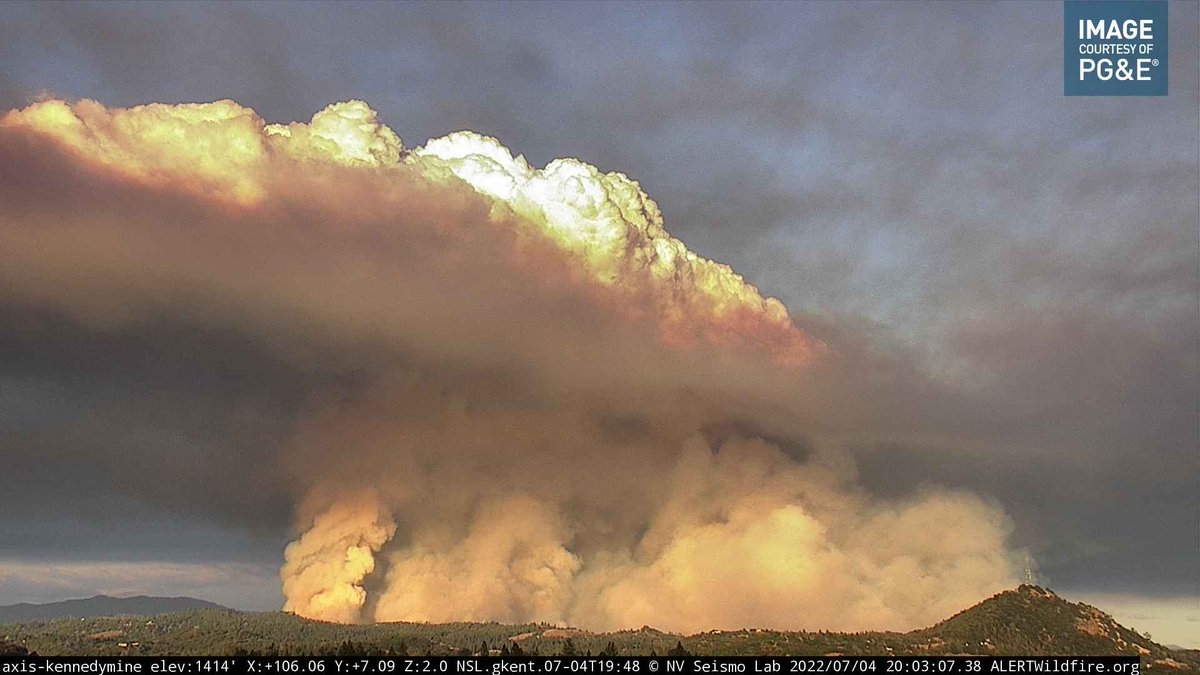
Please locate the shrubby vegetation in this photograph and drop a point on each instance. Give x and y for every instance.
(1026, 621)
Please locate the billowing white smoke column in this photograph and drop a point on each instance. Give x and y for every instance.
(560, 410)
(741, 537)
(511, 564)
(324, 569)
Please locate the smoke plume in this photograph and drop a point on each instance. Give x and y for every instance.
(544, 407)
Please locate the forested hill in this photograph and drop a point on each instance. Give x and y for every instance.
(1033, 620)
(1028, 620)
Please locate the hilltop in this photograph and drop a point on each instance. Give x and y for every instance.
(1028, 620)
(1033, 620)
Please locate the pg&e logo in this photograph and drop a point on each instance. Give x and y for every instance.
(1115, 47)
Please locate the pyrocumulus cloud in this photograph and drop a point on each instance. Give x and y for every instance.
(552, 409)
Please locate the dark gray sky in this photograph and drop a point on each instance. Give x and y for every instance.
(907, 177)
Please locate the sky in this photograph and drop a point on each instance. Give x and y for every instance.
(1010, 276)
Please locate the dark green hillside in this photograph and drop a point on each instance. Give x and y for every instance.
(1033, 620)
(202, 632)
(1026, 621)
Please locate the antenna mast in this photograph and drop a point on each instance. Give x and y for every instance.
(1030, 579)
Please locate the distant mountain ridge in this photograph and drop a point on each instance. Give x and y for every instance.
(100, 605)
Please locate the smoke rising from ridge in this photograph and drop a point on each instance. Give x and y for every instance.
(554, 411)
